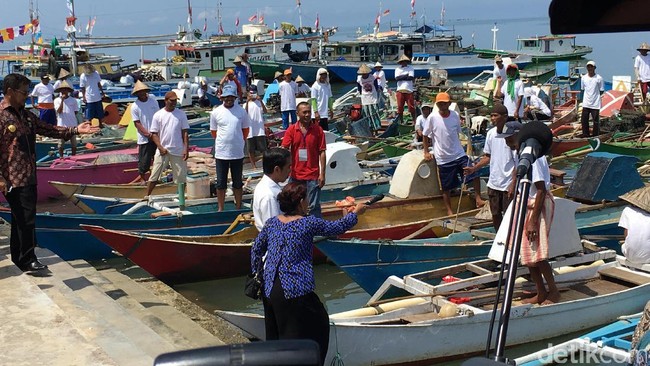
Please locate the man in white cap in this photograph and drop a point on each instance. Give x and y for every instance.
(66, 113)
(535, 109)
(367, 86)
(635, 220)
(229, 125)
(321, 99)
(380, 75)
(169, 132)
(642, 69)
(44, 91)
(592, 86)
(404, 75)
(302, 89)
(287, 91)
(142, 111)
(499, 72)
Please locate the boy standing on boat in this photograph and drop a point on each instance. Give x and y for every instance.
(499, 72)
(44, 91)
(498, 155)
(306, 141)
(321, 99)
(642, 69)
(90, 84)
(288, 100)
(512, 92)
(169, 132)
(142, 111)
(441, 129)
(534, 243)
(592, 86)
(66, 114)
(368, 87)
(404, 75)
(229, 125)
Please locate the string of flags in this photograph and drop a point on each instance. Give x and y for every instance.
(8, 34)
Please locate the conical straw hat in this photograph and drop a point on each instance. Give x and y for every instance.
(403, 58)
(639, 198)
(364, 69)
(63, 73)
(139, 85)
(300, 79)
(644, 46)
(64, 85)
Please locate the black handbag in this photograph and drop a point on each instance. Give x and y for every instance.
(253, 287)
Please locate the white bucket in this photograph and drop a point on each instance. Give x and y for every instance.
(198, 185)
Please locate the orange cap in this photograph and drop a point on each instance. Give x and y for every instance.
(230, 72)
(443, 97)
(287, 72)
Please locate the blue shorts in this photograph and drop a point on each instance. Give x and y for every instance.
(48, 115)
(451, 173)
(94, 110)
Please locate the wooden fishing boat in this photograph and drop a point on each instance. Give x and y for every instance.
(564, 114)
(68, 190)
(631, 148)
(370, 262)
(561, 145)
(596, 287)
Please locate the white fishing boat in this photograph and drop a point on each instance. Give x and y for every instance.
(596, 287)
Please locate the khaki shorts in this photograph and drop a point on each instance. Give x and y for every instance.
(178, 165)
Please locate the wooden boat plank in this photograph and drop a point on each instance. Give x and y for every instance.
(476, 269)
(483, 234)
(625, 275)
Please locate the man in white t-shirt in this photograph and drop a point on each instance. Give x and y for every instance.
(257, 137)
(442, 128)
(142, 111)
(537, 226)
(169, 132)
(498, 155)
(380, 75)
(368, 88)
(287, 91)
(404, 75)
(229, 125)
(512, 92)
(91, 87)
(66, 114)
(426, 109)
(592, 86)
(499, 72)
(535, 108)
(44, 91)
(276, 164)
(642, 69)
(302, 89)
(321, 99)
(636, 222)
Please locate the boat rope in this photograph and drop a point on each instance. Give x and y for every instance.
(387, 242)
(337, 360)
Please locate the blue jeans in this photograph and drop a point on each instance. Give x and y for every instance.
(285, 118)
(313, 195)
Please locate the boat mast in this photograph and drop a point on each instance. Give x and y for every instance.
(494, 36)
(31, 21)
(72, 38)
(299, 16)
(219, 17)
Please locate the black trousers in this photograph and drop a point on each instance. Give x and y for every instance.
(22, 202)
(324, 124)
(584, 120)
(146, 153)
(303, 317)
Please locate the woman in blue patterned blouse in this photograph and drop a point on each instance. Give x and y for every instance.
(291, 308)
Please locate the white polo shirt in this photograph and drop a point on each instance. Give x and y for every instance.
(265, 201)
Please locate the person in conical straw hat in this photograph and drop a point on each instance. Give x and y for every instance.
(635, 219)
(62, 75)
(404, 75)
(302, 89)
(368, 88)
(642, 69)
(66, 109)
(142, 111)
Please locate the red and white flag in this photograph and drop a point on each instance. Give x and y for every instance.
(413, 14)
(252, 18)
(237, 22)
(205, 24)
(386, 12)
(90, 25)
(221, 29)
(378, 19)
(261, 21)
(189, 12)
(412, 3)
(317, 22)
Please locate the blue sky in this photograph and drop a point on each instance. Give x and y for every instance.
(613, 52)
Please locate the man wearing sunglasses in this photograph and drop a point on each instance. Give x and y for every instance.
(18, 130)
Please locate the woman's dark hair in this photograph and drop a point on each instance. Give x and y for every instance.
(275, 156)
(14, 81)
(290, 197)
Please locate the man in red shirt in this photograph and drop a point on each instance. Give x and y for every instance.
(306, 141)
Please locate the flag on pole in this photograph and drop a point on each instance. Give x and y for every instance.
(261, 21)
(298, 3)
(205, 24)
(378, 19)
(237, 22)
(252, 18)
(412, 3)
(413, 14)
(90, 25)
(70, 5)
(317, 22)
(221, 29)
(189, 12)
(386, 12)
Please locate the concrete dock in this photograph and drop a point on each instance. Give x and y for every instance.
(77, 314)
